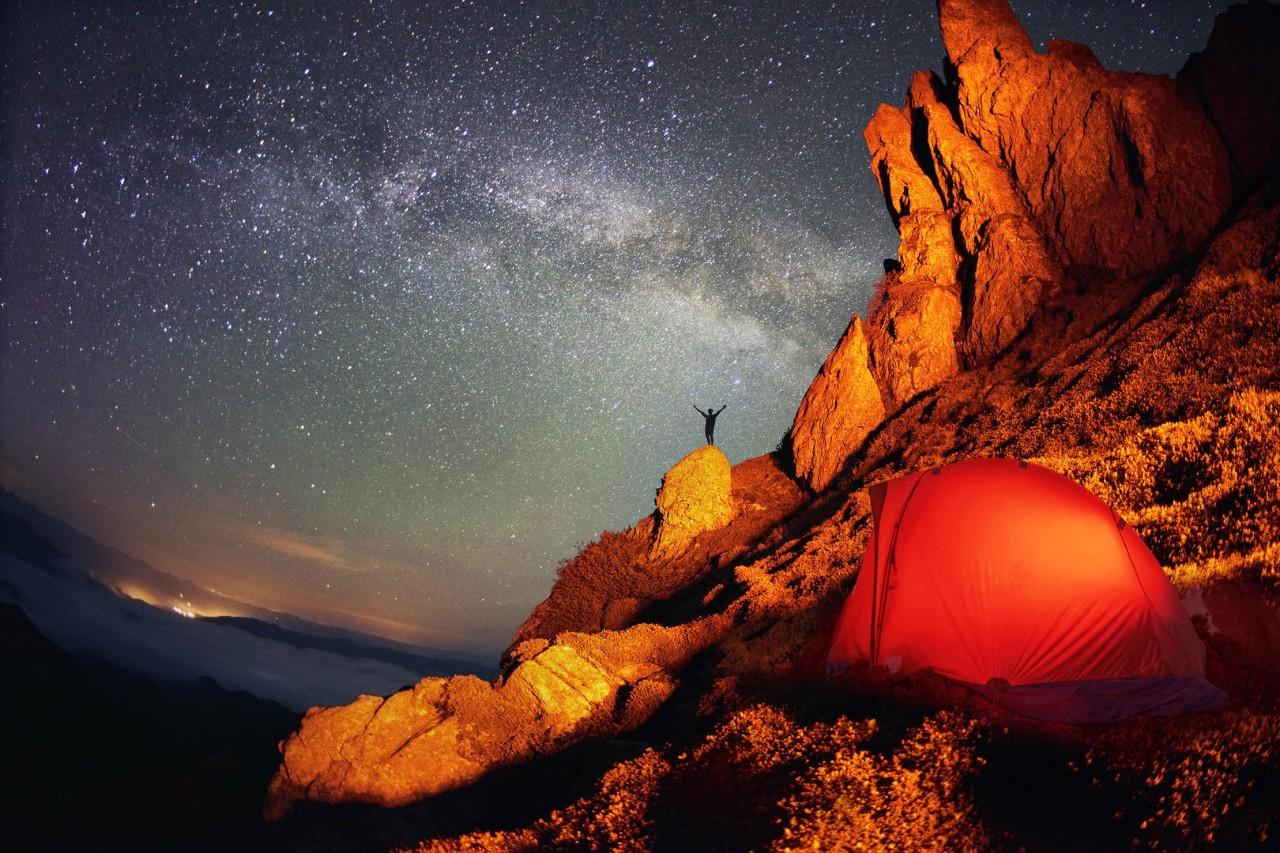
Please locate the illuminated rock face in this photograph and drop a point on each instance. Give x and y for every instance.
(841, 406)
(1119, 172)
(1023, 171)
(696, 496)
(445, 733)
(912, 336)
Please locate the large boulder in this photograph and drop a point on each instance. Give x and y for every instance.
(840, 408)
(696, 495)
(443, 734)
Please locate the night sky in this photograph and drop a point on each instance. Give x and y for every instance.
(374, 312)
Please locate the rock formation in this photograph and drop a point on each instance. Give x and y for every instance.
(696, 495)
(612, 581)
(1024, 172)
(1119, 172)
(839, 409)
(444, 733)
(1234, 81)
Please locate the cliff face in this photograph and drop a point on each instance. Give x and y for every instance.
(840, 408)
(1119, 173)
(1023, 174)
(1041, 200)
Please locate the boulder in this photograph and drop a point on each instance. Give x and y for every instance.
(840, 408)
(443, 734)
(696, 495)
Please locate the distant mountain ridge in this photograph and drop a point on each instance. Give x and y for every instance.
(31, 535)
(109, 759)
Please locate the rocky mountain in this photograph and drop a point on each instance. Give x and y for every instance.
(1088, 277)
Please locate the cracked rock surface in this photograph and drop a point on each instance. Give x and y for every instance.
(1025, 173)
(442, 733)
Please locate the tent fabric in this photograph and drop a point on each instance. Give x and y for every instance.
(999, 571)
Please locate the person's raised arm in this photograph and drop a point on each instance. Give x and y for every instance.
(699, 411)
(722, 408)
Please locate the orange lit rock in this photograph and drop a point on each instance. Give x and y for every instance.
(902, 180)
(445, 733)
(1011, 273)
(1028, 164)
(840, 408)
(696, 496)
(1008, 264)
(1118, 172)
(388, 751)
(927, 251)
(561, 679)
(913, 328)
(925, 90)
(969, 178)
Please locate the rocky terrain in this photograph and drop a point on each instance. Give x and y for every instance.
(1089, 278)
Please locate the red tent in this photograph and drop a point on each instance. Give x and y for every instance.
(1021, 584)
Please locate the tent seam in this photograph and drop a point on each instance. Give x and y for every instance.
(1120, 525)
(890, 558)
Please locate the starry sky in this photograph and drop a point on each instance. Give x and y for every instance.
(374, 312)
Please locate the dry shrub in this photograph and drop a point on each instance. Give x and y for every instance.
(617, 816)
(481, 842)
(613, 817)
(1209, 781)
(918, 798)
(1204, 493)
(880, 293)
(611, 568)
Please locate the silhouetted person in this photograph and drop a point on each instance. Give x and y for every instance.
(710, 415)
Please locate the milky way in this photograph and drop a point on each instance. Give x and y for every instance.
(374, 312)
